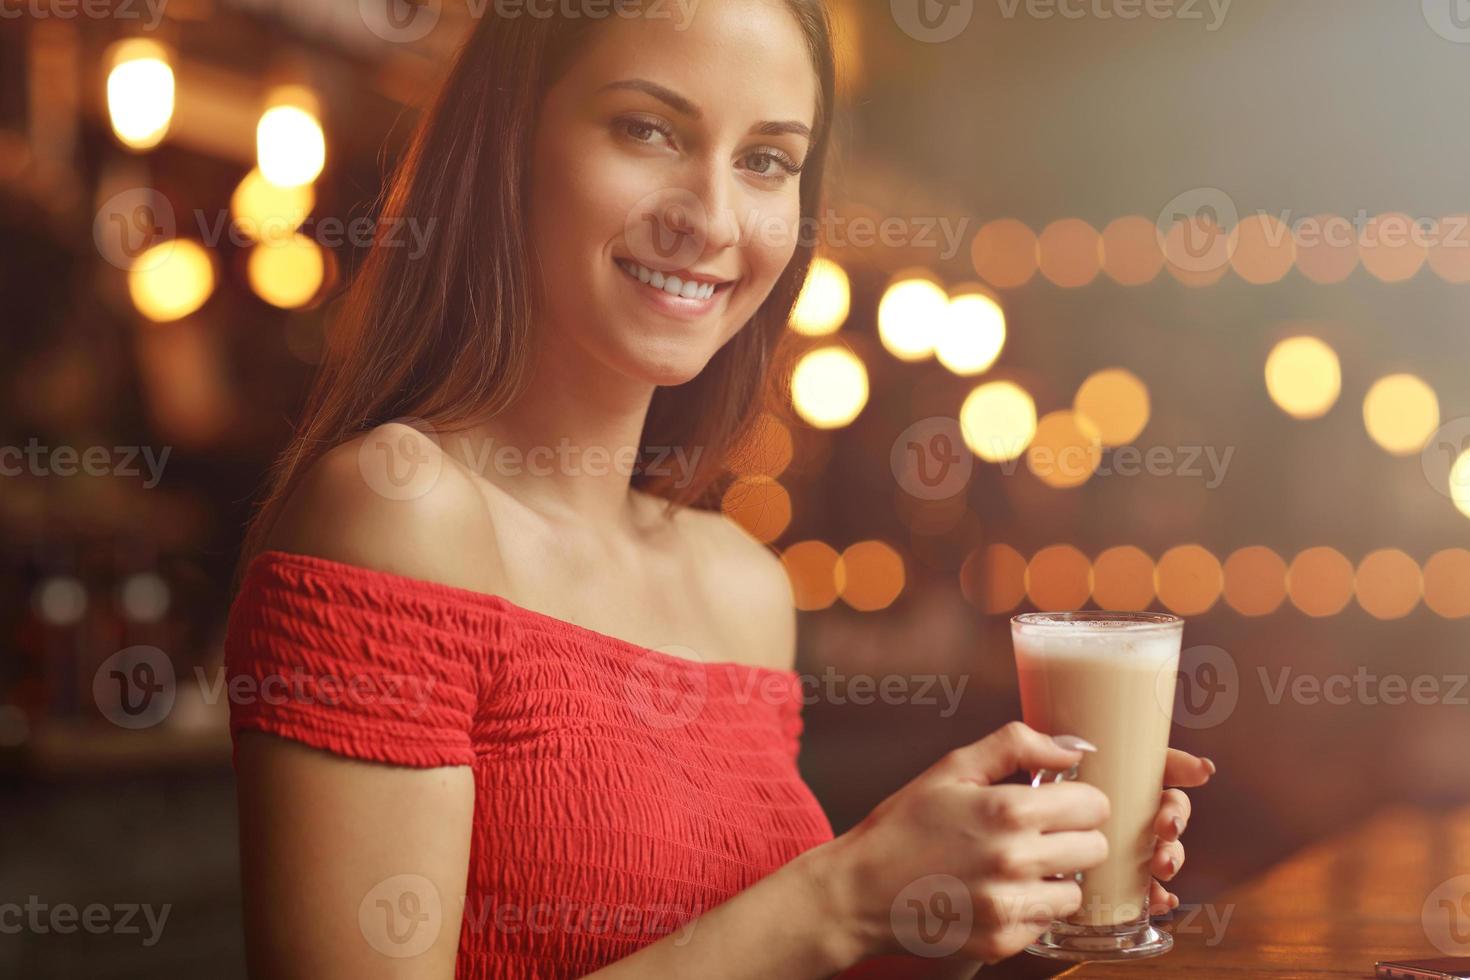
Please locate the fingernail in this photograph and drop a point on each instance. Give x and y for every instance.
(1173, 901)
(1178, 825)
(1074, 744)
(1173, 865)
(1210, 766)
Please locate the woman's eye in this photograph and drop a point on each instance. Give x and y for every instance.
(772, 164)
(642, 130)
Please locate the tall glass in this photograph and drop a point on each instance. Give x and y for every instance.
(1109, 678)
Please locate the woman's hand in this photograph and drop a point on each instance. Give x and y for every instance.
(1181, 769)
(952, 840)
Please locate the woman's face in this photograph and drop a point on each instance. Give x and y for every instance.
(671, 150)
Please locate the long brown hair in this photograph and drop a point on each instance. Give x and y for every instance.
(445, 335)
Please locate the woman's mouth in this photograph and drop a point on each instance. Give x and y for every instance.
(670, 293)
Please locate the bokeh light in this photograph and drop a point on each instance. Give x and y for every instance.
(1058, 578)
(1116, 402)
(1401, 412)
(1188, 579)
(1388, 584)
(994, 578)
(998, 421)
(812, 568)
(1393, 247)
(1004, 253)
(1447, 583)
(760, 505)
(1262, 249)
(766, 450)
(1065, 450)
(1196, 250)
(1255, 581)
(268, 212)
(1303, 377)
(290, 146)
(1123, 579)
(171, 280)
(140, 92)
(825, 300)
(870, 575)
(909, 317)
(1069, 253)
(972, 333)
(1320, 581)
(1449, 252)
(288, 273)
(829, 387)
(1326, 248)
(1131, 252)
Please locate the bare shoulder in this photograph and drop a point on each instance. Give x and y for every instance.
(392, 500)
(747, 580)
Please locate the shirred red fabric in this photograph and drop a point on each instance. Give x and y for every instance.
(620, 791)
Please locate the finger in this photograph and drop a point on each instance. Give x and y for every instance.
(1183, 769)
(1160, 900)
(1016, 746)
(1063, 853)
(1033, 901)
(1167, 860)
(1045, 809)
(1173, 815)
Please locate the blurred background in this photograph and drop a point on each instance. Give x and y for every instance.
(1121, 304)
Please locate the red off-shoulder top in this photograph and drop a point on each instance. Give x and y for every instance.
(620, 791)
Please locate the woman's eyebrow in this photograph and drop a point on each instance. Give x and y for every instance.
(683, 106)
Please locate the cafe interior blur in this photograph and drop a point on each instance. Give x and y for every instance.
(1161, 311)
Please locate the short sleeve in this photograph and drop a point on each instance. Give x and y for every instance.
(347, 663)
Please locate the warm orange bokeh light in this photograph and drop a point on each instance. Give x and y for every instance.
(870, 576)
(1447, 583)
(1255, 581)
(1262, 249)
(1116, 402)
(994, 578)
(1131, 253)
(1388, 584)
(1065, 451)
(1058, 578)
(1392, 247)
(766, 451)
(812, 568)
(1004, 253)
(1123, 579)
(1197, 251)
(1326, 248)
(1449, 253)
(1320, 581)
(760, 505)
(1188, 579)
(1069, 253)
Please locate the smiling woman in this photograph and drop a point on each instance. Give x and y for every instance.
(541, 720)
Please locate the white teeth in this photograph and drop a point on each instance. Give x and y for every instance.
(672, 285)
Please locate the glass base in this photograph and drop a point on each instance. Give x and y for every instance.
(1129, 941)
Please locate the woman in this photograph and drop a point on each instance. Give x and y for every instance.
(504, 705)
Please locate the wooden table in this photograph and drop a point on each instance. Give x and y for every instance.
(1330, 911)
